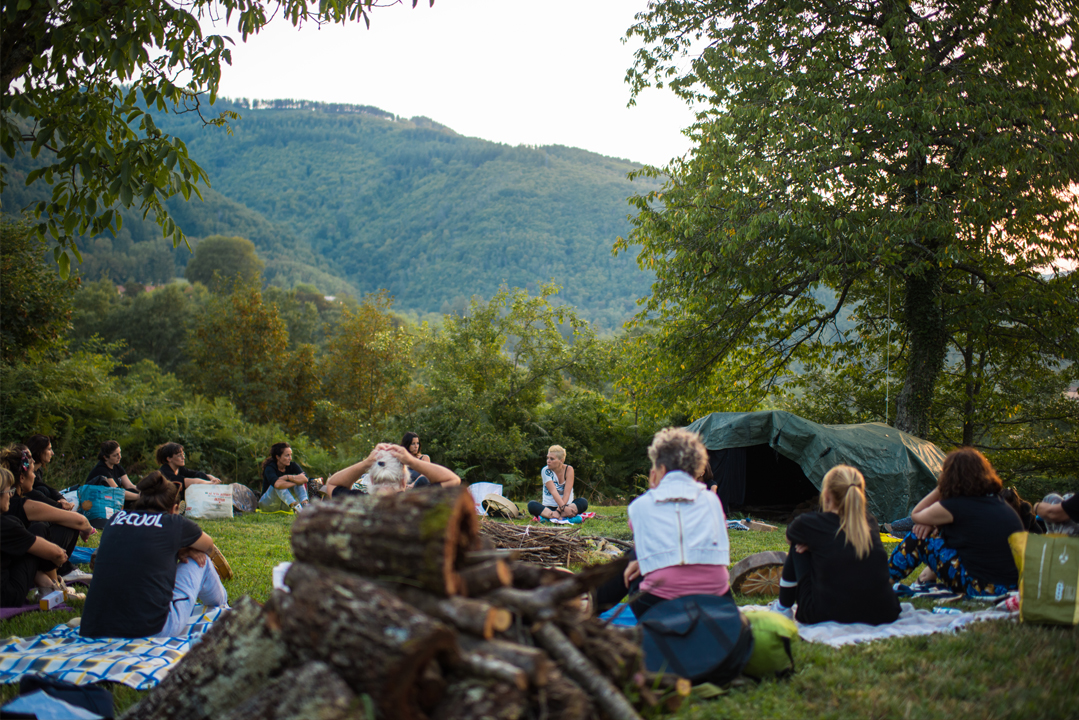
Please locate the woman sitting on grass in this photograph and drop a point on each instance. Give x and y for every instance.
(27, 558)
(411, 442)
(961, 531)
(837, 568)
(171, 457)
(61, 528)
(557, 479)
(152, 568)
(40, 447)
(679, 531)
(284, 484)
(111, 473)
(387, 468)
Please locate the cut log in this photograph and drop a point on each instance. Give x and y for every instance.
(233, 661)
(478, 580)
(475, 557)
(376, 642)
(542, 602)
(564, 699)
(417, 538)
(492, 668)
(609, 698)
(472, 698)
(533, 661)
(431, 688)
(758, 574)
(527, 576)
(616, 655)
(310, 692)
(476, 617)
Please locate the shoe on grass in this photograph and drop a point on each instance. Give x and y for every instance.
(78, 576)
(775, 607)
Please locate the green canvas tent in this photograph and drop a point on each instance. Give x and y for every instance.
(775, 458)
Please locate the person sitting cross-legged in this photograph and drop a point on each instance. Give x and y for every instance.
(558, 500)
(284, 483)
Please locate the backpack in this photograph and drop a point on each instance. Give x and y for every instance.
(703, 638)
(94, 698)
(773, 635)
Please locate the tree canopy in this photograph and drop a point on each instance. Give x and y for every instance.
(848, 153)
(223, 261)
(76, 78)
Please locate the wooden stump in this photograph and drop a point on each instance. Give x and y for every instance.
(376, 642)
(418, 538)
(310, 692)
(758, 574)
(232, 662)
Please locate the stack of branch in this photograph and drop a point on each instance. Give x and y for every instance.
(395, 609)
(539, 544)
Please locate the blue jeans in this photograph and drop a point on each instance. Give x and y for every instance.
(193, 585)
(276, 499)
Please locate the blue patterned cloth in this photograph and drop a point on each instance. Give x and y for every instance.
(140, 663)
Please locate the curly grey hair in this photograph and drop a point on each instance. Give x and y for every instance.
(678, 449)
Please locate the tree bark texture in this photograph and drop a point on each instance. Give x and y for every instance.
(564, 699)
(477, 699)
(480, 579)
(416, 538)
(533, 661)
(309, 692)
(233, 661)
(376, 642)
(469, 615)
(928, 349)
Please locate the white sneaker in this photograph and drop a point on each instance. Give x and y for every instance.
(775, 607)
(78, 576)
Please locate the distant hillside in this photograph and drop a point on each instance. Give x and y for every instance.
(430, 215)
(354, 199)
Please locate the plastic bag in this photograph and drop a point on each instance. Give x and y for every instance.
(212, 502)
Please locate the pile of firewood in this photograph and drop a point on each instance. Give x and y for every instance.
(548, 544)
(396, 609)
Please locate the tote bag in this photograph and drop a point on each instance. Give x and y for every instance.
(1048, 577)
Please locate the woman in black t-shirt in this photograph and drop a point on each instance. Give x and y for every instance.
(172, 459)
(152, 568)
(837, 568)
(284, 484)
(110, 472)
(40, 447)
(961, 531)
(26, 560)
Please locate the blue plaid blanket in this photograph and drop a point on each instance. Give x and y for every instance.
(140, 663)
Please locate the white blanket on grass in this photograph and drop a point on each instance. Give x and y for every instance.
(911, 622)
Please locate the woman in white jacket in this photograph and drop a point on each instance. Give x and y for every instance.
(679, 529)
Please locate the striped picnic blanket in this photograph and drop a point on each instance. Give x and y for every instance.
(140, 663)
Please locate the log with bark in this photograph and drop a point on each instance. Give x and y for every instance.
(419, 538)
(310, 692)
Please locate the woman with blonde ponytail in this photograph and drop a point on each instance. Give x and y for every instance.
(837, 569)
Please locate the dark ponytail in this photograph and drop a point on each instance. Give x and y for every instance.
(156, 494)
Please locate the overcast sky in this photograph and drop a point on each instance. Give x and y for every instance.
(512, 72)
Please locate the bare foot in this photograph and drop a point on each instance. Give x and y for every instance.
(927, 576)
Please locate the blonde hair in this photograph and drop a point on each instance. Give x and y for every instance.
(387, 473)
(845, 487)
(6, 479)
(558, 451)
(678, 449)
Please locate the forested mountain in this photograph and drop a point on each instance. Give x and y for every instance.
(430, 215)
(353, 200)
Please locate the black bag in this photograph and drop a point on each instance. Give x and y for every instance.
(703, 638)
(96, 699)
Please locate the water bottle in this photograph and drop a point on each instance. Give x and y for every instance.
(947, 611)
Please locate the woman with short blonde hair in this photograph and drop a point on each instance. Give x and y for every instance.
(837, 568)
(557, 480)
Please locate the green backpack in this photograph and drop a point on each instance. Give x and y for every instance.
(773, 635)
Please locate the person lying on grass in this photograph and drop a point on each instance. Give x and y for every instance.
(679, 531)
(557, 481)
(961, 531)
(40, 517)
(837, 567)
(151, 570)
(387, 468)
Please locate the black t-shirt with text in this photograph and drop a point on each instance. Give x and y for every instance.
(134, 574)
(845, 588)
(270, 474)
(979, 534)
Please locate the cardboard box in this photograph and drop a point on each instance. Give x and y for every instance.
(760, 527)
(56, 597)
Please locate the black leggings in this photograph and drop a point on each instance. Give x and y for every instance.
(535, 509)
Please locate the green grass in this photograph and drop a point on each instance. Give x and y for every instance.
(991, 670)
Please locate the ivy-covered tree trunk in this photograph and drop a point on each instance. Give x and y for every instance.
(928, 346)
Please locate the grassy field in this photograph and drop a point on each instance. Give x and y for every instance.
(991, 670)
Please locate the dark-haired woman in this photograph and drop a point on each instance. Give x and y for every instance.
(40, 447)
(60, 527)
(837, 568)
(110, 472)
(172, 459)
(961, 531)
(152, 568)
(27, 559)
(284, 484)
(411, 443)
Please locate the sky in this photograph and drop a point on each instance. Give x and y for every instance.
(506, 71)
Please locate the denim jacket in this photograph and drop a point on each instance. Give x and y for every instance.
(679, 522)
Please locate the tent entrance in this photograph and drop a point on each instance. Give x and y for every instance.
(759, 480)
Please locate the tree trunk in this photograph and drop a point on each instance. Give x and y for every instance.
(414, 537)
(924, 319)
(233, 661)
(472, 698)
(310, 692)
(478, 580)
(376, 642)
(466, 614)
